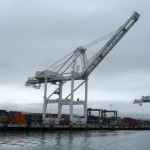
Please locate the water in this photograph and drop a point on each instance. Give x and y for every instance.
(77, 140)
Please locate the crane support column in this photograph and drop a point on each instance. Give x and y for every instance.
(60, 97)
(72, 97)
(86, 97)
(59, 110)
(45, 99)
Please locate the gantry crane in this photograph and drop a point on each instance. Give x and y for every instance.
(143, 99)
(75, 67)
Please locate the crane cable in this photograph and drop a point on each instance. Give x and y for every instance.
(99, 40)
(85, 47)
(59, 61)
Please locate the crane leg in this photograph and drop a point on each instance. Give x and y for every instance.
(72, 97)
(86, 97)
(60, 105)
(59, 111)
(45, 100)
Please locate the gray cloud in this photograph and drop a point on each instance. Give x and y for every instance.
(35, 34)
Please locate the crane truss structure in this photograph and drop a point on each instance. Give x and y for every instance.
(72, 68)
(143, 99)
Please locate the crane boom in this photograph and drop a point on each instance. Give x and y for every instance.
(109, 45)
(143, 99)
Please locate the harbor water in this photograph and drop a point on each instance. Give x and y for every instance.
(76, 140)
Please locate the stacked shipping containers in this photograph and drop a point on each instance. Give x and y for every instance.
(130, 122)
(93, 119)
(51, 119)
(17, 118)
(3, 116)
(65, 120)
(34, 119)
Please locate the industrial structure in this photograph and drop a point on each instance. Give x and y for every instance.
(74, 69)
(102, 114)
(143, 99)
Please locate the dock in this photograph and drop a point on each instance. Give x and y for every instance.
(41, 128)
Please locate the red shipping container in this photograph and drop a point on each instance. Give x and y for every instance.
(54, 115)
(130, 122)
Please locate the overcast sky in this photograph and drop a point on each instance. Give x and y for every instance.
(34, 34)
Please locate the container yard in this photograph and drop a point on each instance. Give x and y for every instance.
(19, 121)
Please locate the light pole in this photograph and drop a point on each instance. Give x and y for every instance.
(136, 116)
(110, 106)
(142, 116)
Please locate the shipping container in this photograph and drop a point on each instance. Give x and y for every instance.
(130, 122)
(93, 119)
(3, 116)
(54, 116)
(34, 118)
(17, 118)
(64, 121)
(3, 111)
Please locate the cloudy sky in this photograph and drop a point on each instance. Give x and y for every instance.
(34, 34)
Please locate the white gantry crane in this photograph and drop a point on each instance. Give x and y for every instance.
(143, 99)
(75, 67)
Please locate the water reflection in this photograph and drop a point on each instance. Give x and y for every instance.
(89, 140)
